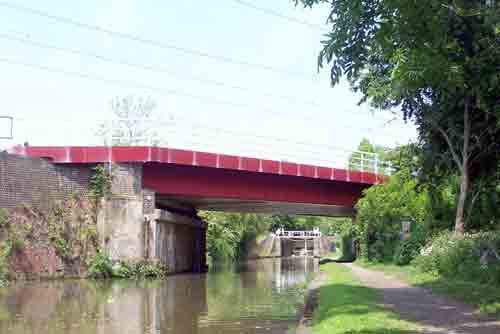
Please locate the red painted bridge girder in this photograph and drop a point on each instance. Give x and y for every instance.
(177, 172)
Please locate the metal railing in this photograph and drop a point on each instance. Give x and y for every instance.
(201, 137)
(281, 233)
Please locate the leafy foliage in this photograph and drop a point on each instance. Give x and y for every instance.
(142, 269)
(460, 257)
(228, 233)
(100, 183)
(407, 250)
(100, 266)
(366, 161)
(438, 62)
(381, 211)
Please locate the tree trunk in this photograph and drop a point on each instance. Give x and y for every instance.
(464, 188)
(464, 177)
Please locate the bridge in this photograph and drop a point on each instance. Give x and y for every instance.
(211, 181)
(156, 192)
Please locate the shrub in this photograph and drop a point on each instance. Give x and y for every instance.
(100, 265)
(346, 242)
(143, 269)
(150, 269)
(459, 257)
(406, 251)
(122, 270)
(381, 211)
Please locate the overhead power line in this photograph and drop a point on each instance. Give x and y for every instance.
(275, 13)
(81, 75)
(177, 92)
(150, 42)
(160, 69)
(236, 136)
(154, 69)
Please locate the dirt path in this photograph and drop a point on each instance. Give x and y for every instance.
(436, 313)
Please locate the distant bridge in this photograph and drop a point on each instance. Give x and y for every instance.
(310, 234)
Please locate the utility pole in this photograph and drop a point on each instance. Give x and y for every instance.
(6, 129)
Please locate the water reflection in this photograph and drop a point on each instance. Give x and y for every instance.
(258, 296)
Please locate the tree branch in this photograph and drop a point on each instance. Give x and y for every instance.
(450, 145)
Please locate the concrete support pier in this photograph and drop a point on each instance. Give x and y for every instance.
(132, 229)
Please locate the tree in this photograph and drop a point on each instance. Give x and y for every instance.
(132, 124)
(435, 60)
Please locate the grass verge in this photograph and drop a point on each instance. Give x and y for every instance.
(346, 306)
(486, 297)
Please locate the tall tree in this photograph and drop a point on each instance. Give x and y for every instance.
(438, 61)
(132, 123)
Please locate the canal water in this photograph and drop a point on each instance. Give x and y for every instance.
(262, 296)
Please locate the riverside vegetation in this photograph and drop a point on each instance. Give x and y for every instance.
(436, 62)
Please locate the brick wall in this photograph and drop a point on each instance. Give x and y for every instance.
(38, 183)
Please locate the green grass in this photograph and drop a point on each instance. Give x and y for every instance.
(347, 307)
(486, 297)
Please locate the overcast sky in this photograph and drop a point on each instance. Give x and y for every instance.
(282, 108)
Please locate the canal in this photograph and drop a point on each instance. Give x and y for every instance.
(262, 296)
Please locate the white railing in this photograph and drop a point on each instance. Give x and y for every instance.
(281, 233)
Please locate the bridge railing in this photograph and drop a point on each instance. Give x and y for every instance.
(201, 137)
(297, 234)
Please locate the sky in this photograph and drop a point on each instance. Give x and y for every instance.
(226, 77)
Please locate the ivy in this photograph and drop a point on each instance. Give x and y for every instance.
(100, 184)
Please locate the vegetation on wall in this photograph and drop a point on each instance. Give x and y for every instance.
(100, 183)
(5, 249)
(72, 230)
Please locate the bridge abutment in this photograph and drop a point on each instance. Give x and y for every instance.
(132, 229)
(121, 217)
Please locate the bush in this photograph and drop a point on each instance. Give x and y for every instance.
(100, 266)
(346, 242)
(150, 269)
(122, 270)
(406, 251)
(459, 257)
(143, 269)
(380, 213)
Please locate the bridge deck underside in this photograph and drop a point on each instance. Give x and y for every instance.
(248, 206)
(228, 190)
